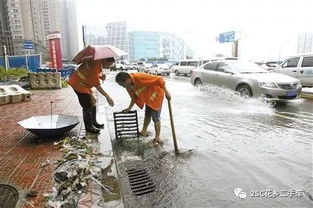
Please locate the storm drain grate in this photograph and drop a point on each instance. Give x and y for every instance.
(8, 196)
(140, 181)
(126, 125)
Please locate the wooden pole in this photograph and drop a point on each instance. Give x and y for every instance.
(173, 127)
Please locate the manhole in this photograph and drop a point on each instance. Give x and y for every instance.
(140, 181)
(8, 196)
(126, 125)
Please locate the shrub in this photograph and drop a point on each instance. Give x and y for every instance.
(13, 72)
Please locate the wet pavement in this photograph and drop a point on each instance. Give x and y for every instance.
(23, 154)
(226, 143)
(236, 144)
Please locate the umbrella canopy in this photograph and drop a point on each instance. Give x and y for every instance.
(50, 125)
(97, 53)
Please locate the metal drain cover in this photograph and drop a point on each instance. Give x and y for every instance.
(140, 181)
(126, 125)
(8, 196)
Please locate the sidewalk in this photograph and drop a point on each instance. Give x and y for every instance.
(22, 154)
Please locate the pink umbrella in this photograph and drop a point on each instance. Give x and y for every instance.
(97, 53)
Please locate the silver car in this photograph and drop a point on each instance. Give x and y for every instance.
(248, 79)
(299, 67)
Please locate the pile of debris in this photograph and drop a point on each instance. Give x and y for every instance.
(79, 165)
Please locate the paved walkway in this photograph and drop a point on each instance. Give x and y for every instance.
(21, 153)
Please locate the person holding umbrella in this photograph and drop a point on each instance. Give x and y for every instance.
(148, 90)
(86, 77)
(92, 60)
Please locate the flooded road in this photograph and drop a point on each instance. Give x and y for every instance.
(235, 144)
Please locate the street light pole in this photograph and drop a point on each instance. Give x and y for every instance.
(84, 39)
(5, 57)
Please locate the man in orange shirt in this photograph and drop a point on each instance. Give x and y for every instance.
(86, 77)
(149, 90)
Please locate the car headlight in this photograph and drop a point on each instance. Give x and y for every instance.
(268, 84)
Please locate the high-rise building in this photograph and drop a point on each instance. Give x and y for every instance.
(117, 35)
(305, 43)
(113, 33)
(5, 30)
(61, 16)
(31, 21)
(21, 21)
(70, 30)
(95, 34)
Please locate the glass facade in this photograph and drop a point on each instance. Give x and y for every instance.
(140, 45)
(145, 45)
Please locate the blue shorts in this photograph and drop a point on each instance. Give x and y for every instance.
(153, 113)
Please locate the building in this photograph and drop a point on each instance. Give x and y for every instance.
(95, 34)
(30, 21)
(70, 31)
(113, 33)
(62, 16)
(21, 22)
(149, 45)
(138, 44)
(5, 30)
(305, 43)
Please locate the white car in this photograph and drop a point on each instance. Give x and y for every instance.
(120, 65)
(160, 69)
(143, 66)
(299, 67)
(186, 66)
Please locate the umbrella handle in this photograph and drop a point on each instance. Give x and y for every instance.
(172, 126)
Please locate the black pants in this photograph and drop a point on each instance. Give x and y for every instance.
(84, 100)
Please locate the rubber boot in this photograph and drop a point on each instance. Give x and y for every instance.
(94, 118)
(87, 116)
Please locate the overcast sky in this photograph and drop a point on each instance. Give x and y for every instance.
(269, 28)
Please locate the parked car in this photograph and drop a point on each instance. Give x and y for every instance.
(248, 79)
(120, 65)
(299, 67)
(186, 66)
(133, 66)
(160, 69)
(144, 67)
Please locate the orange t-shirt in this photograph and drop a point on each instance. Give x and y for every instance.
(147, 89)
(85, 78)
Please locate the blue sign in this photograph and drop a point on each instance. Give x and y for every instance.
(28, 45)
(227, 37)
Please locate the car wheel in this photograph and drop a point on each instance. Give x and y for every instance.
(176, 73)
(198, 82)
(244, 90)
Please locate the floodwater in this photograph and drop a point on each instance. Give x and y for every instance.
(236, 152)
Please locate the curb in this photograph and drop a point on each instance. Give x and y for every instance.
(307, 95)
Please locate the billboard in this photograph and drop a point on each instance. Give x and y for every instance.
(55, 50)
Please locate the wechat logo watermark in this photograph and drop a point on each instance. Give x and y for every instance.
(240, 193)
